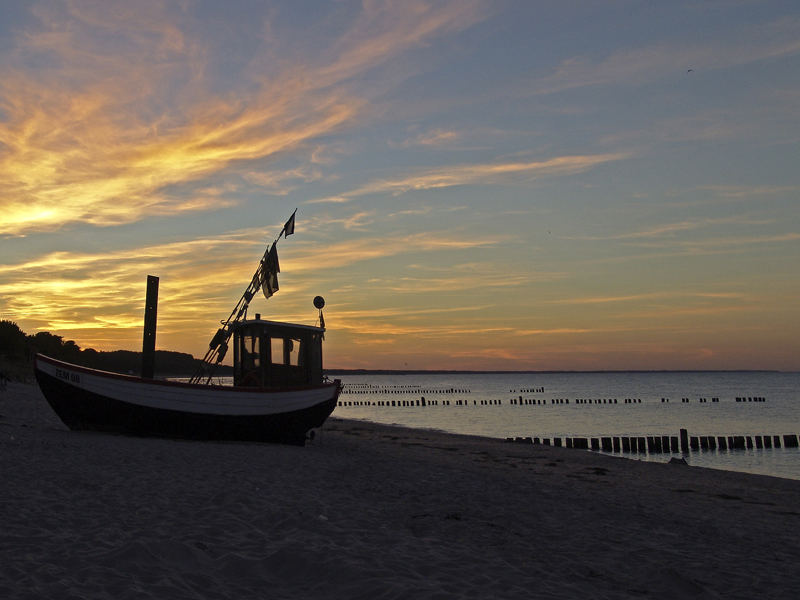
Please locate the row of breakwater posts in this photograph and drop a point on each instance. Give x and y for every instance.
(443, 396)
(666, 444)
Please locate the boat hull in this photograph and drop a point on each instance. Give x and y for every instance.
(87, 399)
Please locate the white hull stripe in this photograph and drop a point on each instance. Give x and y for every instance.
(197, 399)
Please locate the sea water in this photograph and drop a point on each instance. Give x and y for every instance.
(550, 405)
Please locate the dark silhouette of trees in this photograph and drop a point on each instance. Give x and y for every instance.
(13, 341)
(45, 342)
(18, 348)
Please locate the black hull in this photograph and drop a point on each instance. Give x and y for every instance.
(83, 410)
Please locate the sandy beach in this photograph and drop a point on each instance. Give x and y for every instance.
(371, 511)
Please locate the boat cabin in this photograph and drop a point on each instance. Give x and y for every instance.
(271, 354)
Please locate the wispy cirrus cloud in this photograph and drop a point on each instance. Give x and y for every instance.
(483, 173)
(724, 243)
(347, 252)
(395, 322)
(120, 107)
(663, 305)
(433, 138)
(80, 292)
(750, 191)
(384, 30)
(670, 230)
(421, 285)
(282, 182)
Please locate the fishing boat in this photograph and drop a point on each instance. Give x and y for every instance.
(279, 392)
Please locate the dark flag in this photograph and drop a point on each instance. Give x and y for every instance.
(288, 228)
(269, 272)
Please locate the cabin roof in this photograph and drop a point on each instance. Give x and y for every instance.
(267, 324)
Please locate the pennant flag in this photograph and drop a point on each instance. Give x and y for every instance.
(288, 228)
(269, 272)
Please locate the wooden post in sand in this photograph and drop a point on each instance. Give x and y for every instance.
(149, 337)
(684, 441)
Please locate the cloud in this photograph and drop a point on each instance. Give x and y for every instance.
(613, 299)
(732, 244)
(657, 309)
(557, 331)
(120, 107)
(97, 295)
(201, 279)
(434, 138)
(485, 173)
(329, 200)
(669, 230)
(749, 191)
(417, 285)
(346, 252)
(384, 30)
(653, 296)
(282, 182)
(392, 322)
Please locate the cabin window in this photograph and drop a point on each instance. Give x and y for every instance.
(251, 352)
(292, 349)
(276, 345)
(286, 351)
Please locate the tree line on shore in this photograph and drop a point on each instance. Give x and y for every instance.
(17, 350)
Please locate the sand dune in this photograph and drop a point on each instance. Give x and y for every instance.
(371, 511)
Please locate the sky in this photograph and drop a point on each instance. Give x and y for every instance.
(490, 185)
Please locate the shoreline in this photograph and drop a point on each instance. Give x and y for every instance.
(375, 511)
(528, 372)
(654, 458)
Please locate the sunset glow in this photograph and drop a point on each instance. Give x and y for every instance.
(479, 185)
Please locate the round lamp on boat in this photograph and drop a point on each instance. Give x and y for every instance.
(319, 302)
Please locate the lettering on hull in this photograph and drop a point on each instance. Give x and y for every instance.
(68, 376)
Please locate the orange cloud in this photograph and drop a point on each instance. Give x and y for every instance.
(101, 133)
(201, 280)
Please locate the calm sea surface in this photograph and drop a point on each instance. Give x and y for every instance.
(593, 405)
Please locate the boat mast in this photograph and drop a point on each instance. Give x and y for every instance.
(218, 346)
